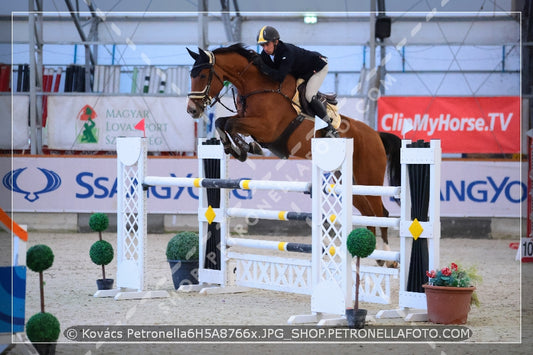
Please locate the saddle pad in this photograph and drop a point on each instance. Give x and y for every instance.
(333, 110)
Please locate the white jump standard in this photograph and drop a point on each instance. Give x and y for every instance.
(131, 223)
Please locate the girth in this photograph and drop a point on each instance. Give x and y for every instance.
(279, 146)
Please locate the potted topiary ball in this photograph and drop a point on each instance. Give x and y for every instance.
(39, 258)
(99, 223)
(101, 252)
(361, 243)
(42, 327)
(182, 256)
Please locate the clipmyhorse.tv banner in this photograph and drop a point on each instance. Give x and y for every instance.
(463, 124)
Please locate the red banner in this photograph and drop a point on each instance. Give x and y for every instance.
(463, 124)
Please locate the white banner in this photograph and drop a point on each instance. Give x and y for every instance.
(65, 184)
(19, 122)
(94, 122)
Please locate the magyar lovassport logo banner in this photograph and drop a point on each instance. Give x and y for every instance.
(463, 124)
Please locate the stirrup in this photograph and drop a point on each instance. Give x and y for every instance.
(331, 132)
(327, 119)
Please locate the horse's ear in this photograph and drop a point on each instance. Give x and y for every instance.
(192, 54)
(203, 55)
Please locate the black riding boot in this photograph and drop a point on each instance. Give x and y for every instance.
(321, 111)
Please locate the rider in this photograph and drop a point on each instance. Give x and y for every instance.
(284, 58)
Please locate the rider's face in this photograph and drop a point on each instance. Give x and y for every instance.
(268, 47)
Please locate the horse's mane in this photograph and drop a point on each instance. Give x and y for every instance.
(238, 48)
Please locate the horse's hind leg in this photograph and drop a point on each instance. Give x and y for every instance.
(373, 206)
(362, 203)
(379, 210)
(385, 239)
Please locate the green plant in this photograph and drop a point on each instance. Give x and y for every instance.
(361, 243)
(101, 253)
(99, 223)
(42, 327)
(183, 246)
(455, 276)
(39, 257)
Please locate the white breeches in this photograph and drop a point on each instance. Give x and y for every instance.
(314, 83)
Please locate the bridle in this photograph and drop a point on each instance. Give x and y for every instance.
(203, 95)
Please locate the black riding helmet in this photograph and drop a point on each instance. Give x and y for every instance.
(267, 34)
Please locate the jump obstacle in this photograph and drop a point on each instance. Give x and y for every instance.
(327, 276)
(13, 285)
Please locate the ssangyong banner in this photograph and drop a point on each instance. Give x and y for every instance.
(76, 184)
(94, 122)
(463, 124)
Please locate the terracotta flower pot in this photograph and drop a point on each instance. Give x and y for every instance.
(448, 305)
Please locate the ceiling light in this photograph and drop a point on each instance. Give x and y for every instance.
(310, 19)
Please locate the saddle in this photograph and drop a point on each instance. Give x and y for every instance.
(301, 105)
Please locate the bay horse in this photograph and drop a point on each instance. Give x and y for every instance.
(266, 114)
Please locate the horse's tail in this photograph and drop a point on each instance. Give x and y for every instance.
(392, 144)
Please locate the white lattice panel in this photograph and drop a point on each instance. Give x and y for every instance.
(272, 273)
(331, 207)
(131, 223)
(375, 284)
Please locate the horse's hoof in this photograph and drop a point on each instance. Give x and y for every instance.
(392, 264)
(380, 262)
(240, 157)
(255, 148)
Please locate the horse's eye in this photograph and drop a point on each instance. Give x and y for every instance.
(203, 76)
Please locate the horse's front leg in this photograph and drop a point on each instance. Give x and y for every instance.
(232, 142)
(242, 147)
(220, 125)
(250, 147)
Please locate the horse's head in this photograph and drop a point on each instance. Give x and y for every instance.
(203, 87)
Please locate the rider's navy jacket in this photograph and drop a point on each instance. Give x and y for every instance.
(290, 59)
